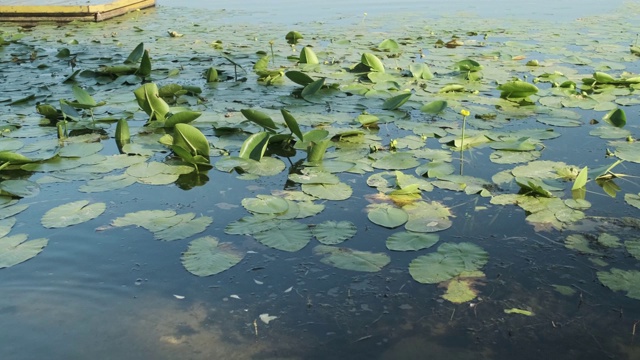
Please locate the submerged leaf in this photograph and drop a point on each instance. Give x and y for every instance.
(449, 261)
(349, 259)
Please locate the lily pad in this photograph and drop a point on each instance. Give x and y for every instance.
(627, 281)
(386, 215)
(166, 225)
(15, 249)
(449, 261)
(72, 213)
(265, 204)
(207, 256)
(334, 232)
(411, 241)
(349, 259)
(339, 191)
(287, 235)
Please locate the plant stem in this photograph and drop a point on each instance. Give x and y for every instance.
(464, 125)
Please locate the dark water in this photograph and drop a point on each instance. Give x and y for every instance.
(120, 294)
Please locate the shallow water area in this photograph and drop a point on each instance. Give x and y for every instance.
(101, 290)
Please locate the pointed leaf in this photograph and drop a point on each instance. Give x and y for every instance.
(396, 101)
(312, 88)
(581, 179)
(307, 56)
(259, 118)
(255, 146)
(292, 124)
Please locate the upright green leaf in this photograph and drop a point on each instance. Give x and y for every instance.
(581, 179)
(307, 56)
(135, 55)
(372, 61)
(616, 117)
(292, 124)
(312, 88)
(299, 77)
(255, 146)
(191, 139)
(82, 96)
(396, 101)
(259, 118)
(122, 131)
(434, 107)
(145, 65)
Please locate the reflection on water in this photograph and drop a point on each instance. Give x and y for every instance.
(290, 11)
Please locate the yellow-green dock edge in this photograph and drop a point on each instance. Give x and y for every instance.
(66, 13)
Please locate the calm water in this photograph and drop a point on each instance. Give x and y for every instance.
(120, 294)
(290, 11)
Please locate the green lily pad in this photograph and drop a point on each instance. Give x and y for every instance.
(108, 183)
(15, 249)
(20, 188)
(265, 204)
(7, 211)
(633, 247)
(627, 281)
(609, 240)
(166, 225)
(349, 259)
(580, 243)
(287, 235)
(411, 241)
(460, 290)
(396, 161)
(206, 256)
(72, 213)
(386, 215)
(314, 176)
(6, 225)
(334, 232)
(633, 200)
(250, 225)
(449, 261)
(339, 191)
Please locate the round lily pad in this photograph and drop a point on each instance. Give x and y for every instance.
(15, 249)
(206, 256)
(627, 281)
(287, 235)
(334, 232)
(265, 204)
(339, 191)
(72, 213)
(411, 241)
(386, 215)
(448, 262)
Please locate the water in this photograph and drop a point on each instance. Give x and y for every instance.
(120, 294)
(289, 11)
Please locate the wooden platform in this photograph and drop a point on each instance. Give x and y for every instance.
(30, 11)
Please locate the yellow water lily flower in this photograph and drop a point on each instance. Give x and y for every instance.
(465, 112)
